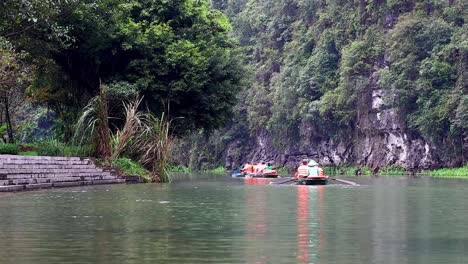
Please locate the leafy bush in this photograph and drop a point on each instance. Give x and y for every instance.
(57, 149)
(283, 170)
(78, 151)
(50, 148)
(131, 167)
(180, 169)
(392, 170)
(11, 149)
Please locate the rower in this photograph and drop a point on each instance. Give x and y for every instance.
(248, 168)
(302, 171)
(314, 170)
(261, 168)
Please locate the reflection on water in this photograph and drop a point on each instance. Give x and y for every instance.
(302, 223)
(213, 219)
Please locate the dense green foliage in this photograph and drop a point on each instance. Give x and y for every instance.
(59, 149)
(364, 171)
(178, 54)
(11, 149)
(315, 62)
(129, 167)
(179, 169)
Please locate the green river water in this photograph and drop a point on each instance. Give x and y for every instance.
(217, 219)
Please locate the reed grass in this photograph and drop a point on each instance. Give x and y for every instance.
(133, 124)
(155, 145)
(92, 127)
(364, 170)
(460, 172)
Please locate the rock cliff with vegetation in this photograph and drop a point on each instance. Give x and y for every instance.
(376, 83)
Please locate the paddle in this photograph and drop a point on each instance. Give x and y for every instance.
(284, 181)
(344, 181)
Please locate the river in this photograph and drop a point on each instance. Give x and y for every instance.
(216, 219)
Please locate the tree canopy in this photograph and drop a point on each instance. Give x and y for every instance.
(178, 54)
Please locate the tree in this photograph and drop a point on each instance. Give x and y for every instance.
(178, 54)
(14, 73)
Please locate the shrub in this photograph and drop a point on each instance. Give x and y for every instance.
(180, 169)
(11, 149)
(392, 170)
(56, 148)
(130, 167)
(78, 151)
(283, 170)
(50, 148)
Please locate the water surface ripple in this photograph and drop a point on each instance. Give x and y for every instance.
(222, 220)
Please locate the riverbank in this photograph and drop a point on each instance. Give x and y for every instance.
(460, 172)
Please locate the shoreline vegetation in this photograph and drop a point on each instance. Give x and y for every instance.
(135, 168)
(456, 172)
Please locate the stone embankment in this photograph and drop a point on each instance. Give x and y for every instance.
(18, 173)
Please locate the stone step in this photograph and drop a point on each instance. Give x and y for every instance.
(60, 179)
(19, 173)
(49, 171)
(108, 181)
(40, 158)
(33, 186)
(47, 166)
(71, 184)
(15, 176)
(11, 188)
(28, 181)
(44, 162)
(38, 186)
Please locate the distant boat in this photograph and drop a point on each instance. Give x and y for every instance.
(266, 174)
(238, 174)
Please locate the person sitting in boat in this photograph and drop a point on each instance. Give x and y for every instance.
(248, 168)
(269, 167)
(313, 170)
(302, 170)
(261, 168)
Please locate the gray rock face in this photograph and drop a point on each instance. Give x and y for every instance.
(380, 138)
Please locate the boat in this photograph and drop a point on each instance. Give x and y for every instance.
(238, 174)
(266, 174)
(319, 180)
